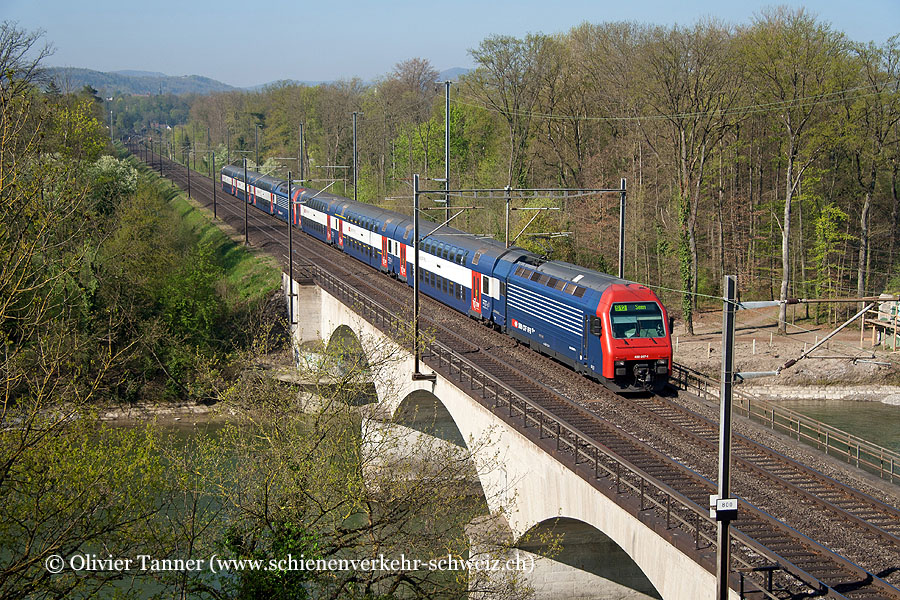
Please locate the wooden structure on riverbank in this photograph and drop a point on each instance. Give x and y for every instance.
(885, 324)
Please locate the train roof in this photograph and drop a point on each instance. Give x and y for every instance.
(490, 250)
(568, 272)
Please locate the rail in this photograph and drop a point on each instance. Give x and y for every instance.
(864, 454)
(620, 476)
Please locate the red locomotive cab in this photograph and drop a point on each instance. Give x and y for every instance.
(637, 347)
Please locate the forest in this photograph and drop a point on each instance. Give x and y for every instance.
(768, 150)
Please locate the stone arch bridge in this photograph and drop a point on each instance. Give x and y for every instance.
(608, 550)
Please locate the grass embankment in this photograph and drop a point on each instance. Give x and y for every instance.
(197, 298)
(249, 275)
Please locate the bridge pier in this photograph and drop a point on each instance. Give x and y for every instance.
(307, 310)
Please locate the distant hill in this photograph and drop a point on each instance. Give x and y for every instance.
(154, 82)
(129, 82)
(130, 73)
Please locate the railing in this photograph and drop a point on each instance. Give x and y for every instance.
(854, 450)
(613, 475)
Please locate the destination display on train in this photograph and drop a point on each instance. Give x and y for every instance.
(628, 307)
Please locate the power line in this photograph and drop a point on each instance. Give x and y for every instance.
(748, 109)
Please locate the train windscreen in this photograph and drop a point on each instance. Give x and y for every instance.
(637, 320)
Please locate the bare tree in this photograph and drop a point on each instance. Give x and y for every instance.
(792, 62)
(509, 80)
(692, 85)
(871, 118)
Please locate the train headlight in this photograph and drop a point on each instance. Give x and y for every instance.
(620, 368)
(662, 366)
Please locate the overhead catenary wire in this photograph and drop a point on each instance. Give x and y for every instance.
(803, 101)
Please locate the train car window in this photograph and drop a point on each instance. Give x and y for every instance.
(420, 274)
(444, 284)
(543, 279)
(446, 253)
(476, 258)
(452, 255)
(596, 326)
(535, 276)
(485, 285)
(408, 229)
(579, 291)
(552, 282)
(560, 285)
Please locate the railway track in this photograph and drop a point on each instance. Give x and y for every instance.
(764, 540)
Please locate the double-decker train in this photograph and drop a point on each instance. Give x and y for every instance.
(609, 329)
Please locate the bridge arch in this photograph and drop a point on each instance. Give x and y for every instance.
(347, 363)
(570, 550)
(424, 412)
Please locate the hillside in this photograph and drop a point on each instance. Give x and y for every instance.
(131, 82)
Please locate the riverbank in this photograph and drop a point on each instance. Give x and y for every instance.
(842, 368)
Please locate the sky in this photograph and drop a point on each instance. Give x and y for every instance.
(250, 43)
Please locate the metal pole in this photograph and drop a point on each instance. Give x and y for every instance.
(110, 125)
(215, 184)
(188, 165)
(622, 232)
(355, 177)
(415, 271)
(301, 154)
(723, 542)
(257, 146)
(447, 151)
(291, 254)
(507, 192)
(208, 151)
(246, 202)
(227, 147)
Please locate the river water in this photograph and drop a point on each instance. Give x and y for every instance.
(874, 421)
